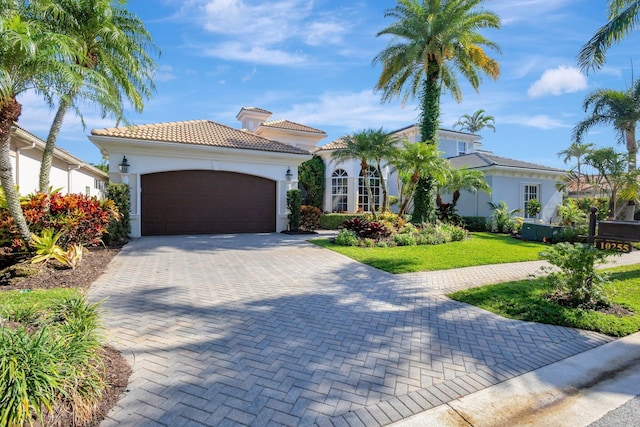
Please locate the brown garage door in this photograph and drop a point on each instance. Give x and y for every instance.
(206, 202)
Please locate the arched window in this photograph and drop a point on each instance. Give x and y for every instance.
(363, 197)
(339, 191)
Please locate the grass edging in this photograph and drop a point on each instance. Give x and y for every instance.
(526, 300)
(481, 249)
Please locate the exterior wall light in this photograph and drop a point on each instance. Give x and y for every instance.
(124, 165)
(289, 175)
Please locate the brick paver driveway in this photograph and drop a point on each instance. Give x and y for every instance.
(271, 330)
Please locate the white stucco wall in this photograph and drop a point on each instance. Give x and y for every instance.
(150, 157)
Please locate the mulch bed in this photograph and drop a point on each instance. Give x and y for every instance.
(93, 264)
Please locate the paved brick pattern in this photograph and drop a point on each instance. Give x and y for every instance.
(271, 330)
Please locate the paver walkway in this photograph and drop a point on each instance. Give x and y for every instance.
(272, 330)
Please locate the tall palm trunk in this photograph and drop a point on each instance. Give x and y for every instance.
(50, 145)
(383, 188)
(632, 150)
(424, 196)
(9, 114)
(367, 186)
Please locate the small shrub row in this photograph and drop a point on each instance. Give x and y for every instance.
(357, 232)
(77, 219)
(51, 364)
(474, 223)
(332, 221)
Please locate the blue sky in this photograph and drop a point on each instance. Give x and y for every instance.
(311, 62)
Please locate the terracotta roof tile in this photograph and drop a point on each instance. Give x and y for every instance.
(199, 132)
(286, 124)
(259, 110)
(334, 145)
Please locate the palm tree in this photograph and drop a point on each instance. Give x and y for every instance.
(360, 146)
(476, 122)
(415, 161)
(432, 40)
(610, 166)
(31, 57)
(383, 148)
(578, 151)
(620, 109)
(114, 44)
(463, 179)
(623, 17)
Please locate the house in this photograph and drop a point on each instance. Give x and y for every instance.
(69, 174)
(513, 181)
(199, 176)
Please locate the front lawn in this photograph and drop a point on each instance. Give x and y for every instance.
(480, 249)
(525, 300)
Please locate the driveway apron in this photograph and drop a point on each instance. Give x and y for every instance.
(267, 329)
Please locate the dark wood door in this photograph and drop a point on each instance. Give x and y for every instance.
(206, 202)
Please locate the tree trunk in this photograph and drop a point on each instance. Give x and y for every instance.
(367, 185)
(9, 114)
(383, 188)
(632, 150)
(424, 196)
(50, 145)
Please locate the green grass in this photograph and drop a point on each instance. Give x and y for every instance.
(481, 249)
(40, 299)
(525, 300)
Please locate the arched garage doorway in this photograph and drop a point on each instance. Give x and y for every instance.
(206, 202)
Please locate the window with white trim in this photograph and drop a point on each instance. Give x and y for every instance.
(531, 191)
(339, 191)
(462, 148)
(363, 196)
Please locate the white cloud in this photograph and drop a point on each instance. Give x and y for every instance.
(540, 121)
(513, 11)
(272, 33)
(255, 54)
(352, 111)
(164, 74)
(557, 81)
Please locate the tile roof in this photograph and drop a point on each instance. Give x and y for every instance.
(286, 124)
(484, 158)
(334, 145)
(199, 132)
(259, 110)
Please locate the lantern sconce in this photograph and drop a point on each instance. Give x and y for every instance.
(289, 175)
(124, 165)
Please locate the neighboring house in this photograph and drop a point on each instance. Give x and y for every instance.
(199, 177)
(513, 181)
(68, 173)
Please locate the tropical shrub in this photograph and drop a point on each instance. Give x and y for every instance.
(404, 239)
(52, 365)
(346, 238)
(332, 221)
(366, 229)
(46, 247)
(311, 177)
(503, 219)
(570, 214)
(602, 203)
(571, 234)
(533, 207)
(294, 203)
(119, 226)
(309, 217)
(578, 278)
(474, 223)
(77, 218)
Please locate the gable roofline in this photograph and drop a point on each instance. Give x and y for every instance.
(291, 126)
(485, 159)
(29, 138)
(198, 132)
